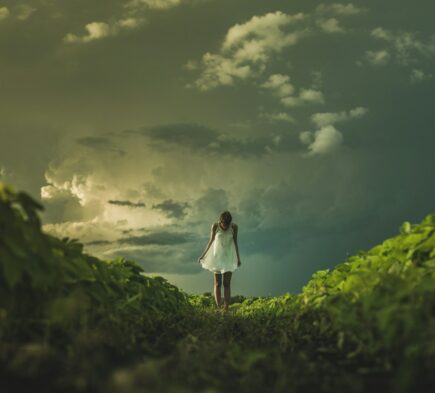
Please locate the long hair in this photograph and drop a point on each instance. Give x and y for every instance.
(226, 217)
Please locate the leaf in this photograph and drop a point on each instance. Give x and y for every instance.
(12, 269)
(405, 227)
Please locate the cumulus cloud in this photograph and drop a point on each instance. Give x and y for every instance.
(339, 9)
(306, 137)
(99, 30)
(327, 138)
(281, 87)
(380, 57)
(419, 75)
(400, 47)
(279, 84)
(249, 47)
(306, 96)
(132, 18)
(330, 25)
(327, 118)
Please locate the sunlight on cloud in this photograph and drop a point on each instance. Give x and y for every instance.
(249, 47)
(99, 30)
(327, 139)
(4, 13)
(154, 4)
(400, 47)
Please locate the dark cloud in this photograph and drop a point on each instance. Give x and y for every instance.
(100, 143)
(157, 238)
(98, 242)
(171, 208)
(201, 139)
(126, 203)
(210, 205)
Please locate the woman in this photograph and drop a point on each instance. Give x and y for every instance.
(223, 257)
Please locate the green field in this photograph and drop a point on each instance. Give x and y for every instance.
(70, 322)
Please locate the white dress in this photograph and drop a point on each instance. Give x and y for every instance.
(221, 256)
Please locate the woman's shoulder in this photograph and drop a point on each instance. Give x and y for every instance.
(234, 225)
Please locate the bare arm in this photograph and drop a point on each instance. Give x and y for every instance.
(212, 236)
(236, 230)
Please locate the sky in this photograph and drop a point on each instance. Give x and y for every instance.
(136, 123)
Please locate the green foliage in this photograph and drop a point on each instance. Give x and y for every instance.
(72, 322)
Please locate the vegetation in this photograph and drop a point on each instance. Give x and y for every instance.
(71, 322)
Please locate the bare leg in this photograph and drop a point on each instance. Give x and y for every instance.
(217, 288)
(227, 289)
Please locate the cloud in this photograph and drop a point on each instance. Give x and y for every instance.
(100, 143)
(277, 116)
(87, 230)
(306, 96)
(419, 76)
(279, 84)
(247, 48)
(172, 208)
(126, 203)
(84, 193)
(132, 17)
(99, 30)
(200, 139)
(339, 9)
(138, 5)
(4, 13)
(184, 189)
(181, 259)
(381, 33)
(401, 47)
(328, 118)
(306, 137)
(330, 25)
(327, 139)
(281, 87)
(98, 242)
(159, 238)
(154, 4)
(380, 57)
(24, 11)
